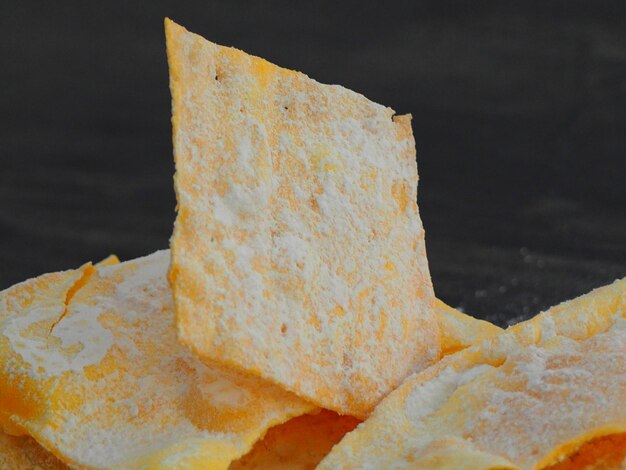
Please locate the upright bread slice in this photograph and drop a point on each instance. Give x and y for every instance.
(298, 252)
(23, 453)
(546, 393)
(91, 368)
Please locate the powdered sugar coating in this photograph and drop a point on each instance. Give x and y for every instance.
(298, 252)
(146, 401)
(527, 398)
(84, 332)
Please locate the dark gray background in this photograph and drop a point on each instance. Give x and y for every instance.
(519, 115)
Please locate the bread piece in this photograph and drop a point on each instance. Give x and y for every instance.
(298, 252)
(91, 368)
(549, 392)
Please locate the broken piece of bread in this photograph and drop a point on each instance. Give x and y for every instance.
(546, 393)
(297, 226)
(91, 368)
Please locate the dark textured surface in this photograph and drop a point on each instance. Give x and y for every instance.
(519, 115)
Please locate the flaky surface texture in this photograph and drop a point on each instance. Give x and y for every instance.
(90, 366)
(23, 453)
(546, 392)
(297, 227)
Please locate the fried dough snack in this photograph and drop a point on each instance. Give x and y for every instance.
(297, 226)
(91, 368)
(546, 393)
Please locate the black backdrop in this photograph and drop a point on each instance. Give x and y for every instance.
(519, 115)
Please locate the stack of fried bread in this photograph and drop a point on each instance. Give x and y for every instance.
(293, 322)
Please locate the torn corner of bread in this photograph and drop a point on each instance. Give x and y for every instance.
(459, 330)
(108, 261)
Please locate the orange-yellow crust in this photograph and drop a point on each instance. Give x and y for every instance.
(601, 453)
(23, 453)
(41, 302)
(297, 227)
(99, 379)
(544, 391)
(109, 261)
(299, 444)
(459, 330)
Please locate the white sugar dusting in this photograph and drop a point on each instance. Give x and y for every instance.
(296, 253)
(222, 392)
(428, 397)
(546, 383)
(84, 341)
(149, 268)
(312, 190)
(222, 212)
(243, 200)
(155, 398)
(83, 328)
